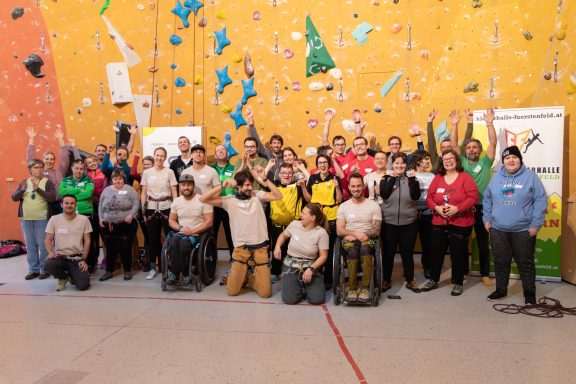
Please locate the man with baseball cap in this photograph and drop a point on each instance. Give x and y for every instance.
(189, 217)
(205, 177)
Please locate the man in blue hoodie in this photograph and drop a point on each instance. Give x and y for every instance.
(514, 210)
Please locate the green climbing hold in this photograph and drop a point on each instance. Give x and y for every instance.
(317, 56)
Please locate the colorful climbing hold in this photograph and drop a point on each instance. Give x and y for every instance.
(329, 86)
(288, 53)
(178, 111)
(471, 87)
(33, 64)
(175, 40)
(179, 82)
(312, 123)
(194, 4)
(236, 58)
(223, 79)
(221, 14)
(248, 69)
(249, 91)
(17, 13)
(296, 85)
(527, 35)
(173, 66)
(226, 108)
(182, 13)
(237, 116)
(256, 15)
(228, 145)
(198, 79)
(104, 7)
(317, 55)
(221, 40)
(202, 22)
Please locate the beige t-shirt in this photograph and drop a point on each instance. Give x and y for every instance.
(306, 243)
(247, 219)
(68, 234)
(359, 217)
(190, 212)
(158, 184)
(204, 179)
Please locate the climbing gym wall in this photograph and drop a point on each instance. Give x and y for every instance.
(174, 63)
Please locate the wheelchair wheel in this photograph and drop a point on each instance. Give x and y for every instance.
(208, 258)
(164, 263)
(377, 275)
(337, 275)
(196, 268)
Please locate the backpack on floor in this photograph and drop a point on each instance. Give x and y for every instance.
(9, 248)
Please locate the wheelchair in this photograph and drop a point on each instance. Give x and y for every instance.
(202, 262)
(340, 275)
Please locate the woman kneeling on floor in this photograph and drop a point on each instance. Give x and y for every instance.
(306, 253)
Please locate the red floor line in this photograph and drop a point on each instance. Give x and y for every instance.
(343, 346)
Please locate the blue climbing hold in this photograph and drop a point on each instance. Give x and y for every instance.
(237, 116)
(178, 111)
(194, 4)
(249, 91)
(173, 66)
(175, 40)
(223, 79)
(182, 13)
(221, 40)
(228, 145)
(179, 82)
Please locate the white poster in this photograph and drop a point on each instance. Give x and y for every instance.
(167, 137)
(539, 134)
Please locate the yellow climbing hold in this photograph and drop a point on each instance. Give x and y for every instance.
(221, 14)
(236, 58)
(226, 108)
(198, 80)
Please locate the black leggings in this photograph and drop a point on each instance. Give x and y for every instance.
(118, 242)
(155, 223)
(403, 237)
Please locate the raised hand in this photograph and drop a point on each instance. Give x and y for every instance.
(489, 116)
(469, 115)
(356, 116)
(133, 129)
(31, 132)
(454, 116)
(111, 148)
(329, 114)
(432, 115)
(414, 130)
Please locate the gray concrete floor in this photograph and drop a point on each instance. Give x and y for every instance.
(132, 332)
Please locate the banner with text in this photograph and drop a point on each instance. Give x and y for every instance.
(539, 133)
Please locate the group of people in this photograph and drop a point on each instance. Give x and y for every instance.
(281, 218)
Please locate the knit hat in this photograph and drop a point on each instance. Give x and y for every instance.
(513, 150)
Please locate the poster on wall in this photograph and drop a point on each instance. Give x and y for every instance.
(539, 133)
(167, 137)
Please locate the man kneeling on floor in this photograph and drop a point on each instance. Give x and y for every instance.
(358, 222)
(249, 232)
(189, 217)
(68, 244)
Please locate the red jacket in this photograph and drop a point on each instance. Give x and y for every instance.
(462, 193)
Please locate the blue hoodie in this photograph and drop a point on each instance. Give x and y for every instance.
(515, 202)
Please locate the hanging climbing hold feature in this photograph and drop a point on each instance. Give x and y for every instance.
(228, 145)
(182, 13)
(223, 79)
(248, 69)
(17, 13)
(317, 55)
(390, 83)
(179, 82)
(249, 91)
(195, 5)
(33, 64)
(221, 40)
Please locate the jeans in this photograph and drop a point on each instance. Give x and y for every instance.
(517, 245)
(62, 267)
(425, 233)
(292, 287)
(118, 242)
(403, 236)
(34, 234)
(221, 216)
(257, 259)
(457, 238)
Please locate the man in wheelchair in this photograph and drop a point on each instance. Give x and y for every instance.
(189, 218)
(358, 223)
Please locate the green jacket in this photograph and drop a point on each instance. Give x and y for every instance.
(83, 189)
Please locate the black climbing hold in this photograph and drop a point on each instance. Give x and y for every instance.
(17, 13)
(33, 63)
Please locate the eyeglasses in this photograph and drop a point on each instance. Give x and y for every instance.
(394, 144)
(449, 159)
(322, 162)
(339, 144)
(249, 146)
(286, 173)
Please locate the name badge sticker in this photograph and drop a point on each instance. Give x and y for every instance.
(440, 190)
(122, 192)
(351, 216)
(296, 237)
(202, 176)
(81, 184)
(62, 231)
(477, 169)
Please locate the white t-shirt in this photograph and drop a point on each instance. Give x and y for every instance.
(204, 179)
(158, 183)
(190, 212)
(306, 243)
(247, 219)
(68, 234)
(359, 217)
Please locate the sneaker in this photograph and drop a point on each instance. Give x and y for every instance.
(487, 281)
(411, 285)
(429, 285)
(171, 279)
(456, 290)
(127, 275)
(106, 276)
(31, 275)
(151, 274)
(496, 295)
(352, 295)
(43, 275)
(529, 299)
(364, 295)
(61, 284)
(224, 278)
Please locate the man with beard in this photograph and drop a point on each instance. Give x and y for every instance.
(276, 142)
(205, 177)
(189, 217)
(100, 151)
(225, 171)
(183, 161)
(358, 223)
(249, 231)
(251, 160)
(479, 167)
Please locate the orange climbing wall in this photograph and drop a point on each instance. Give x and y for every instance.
(452, 44)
